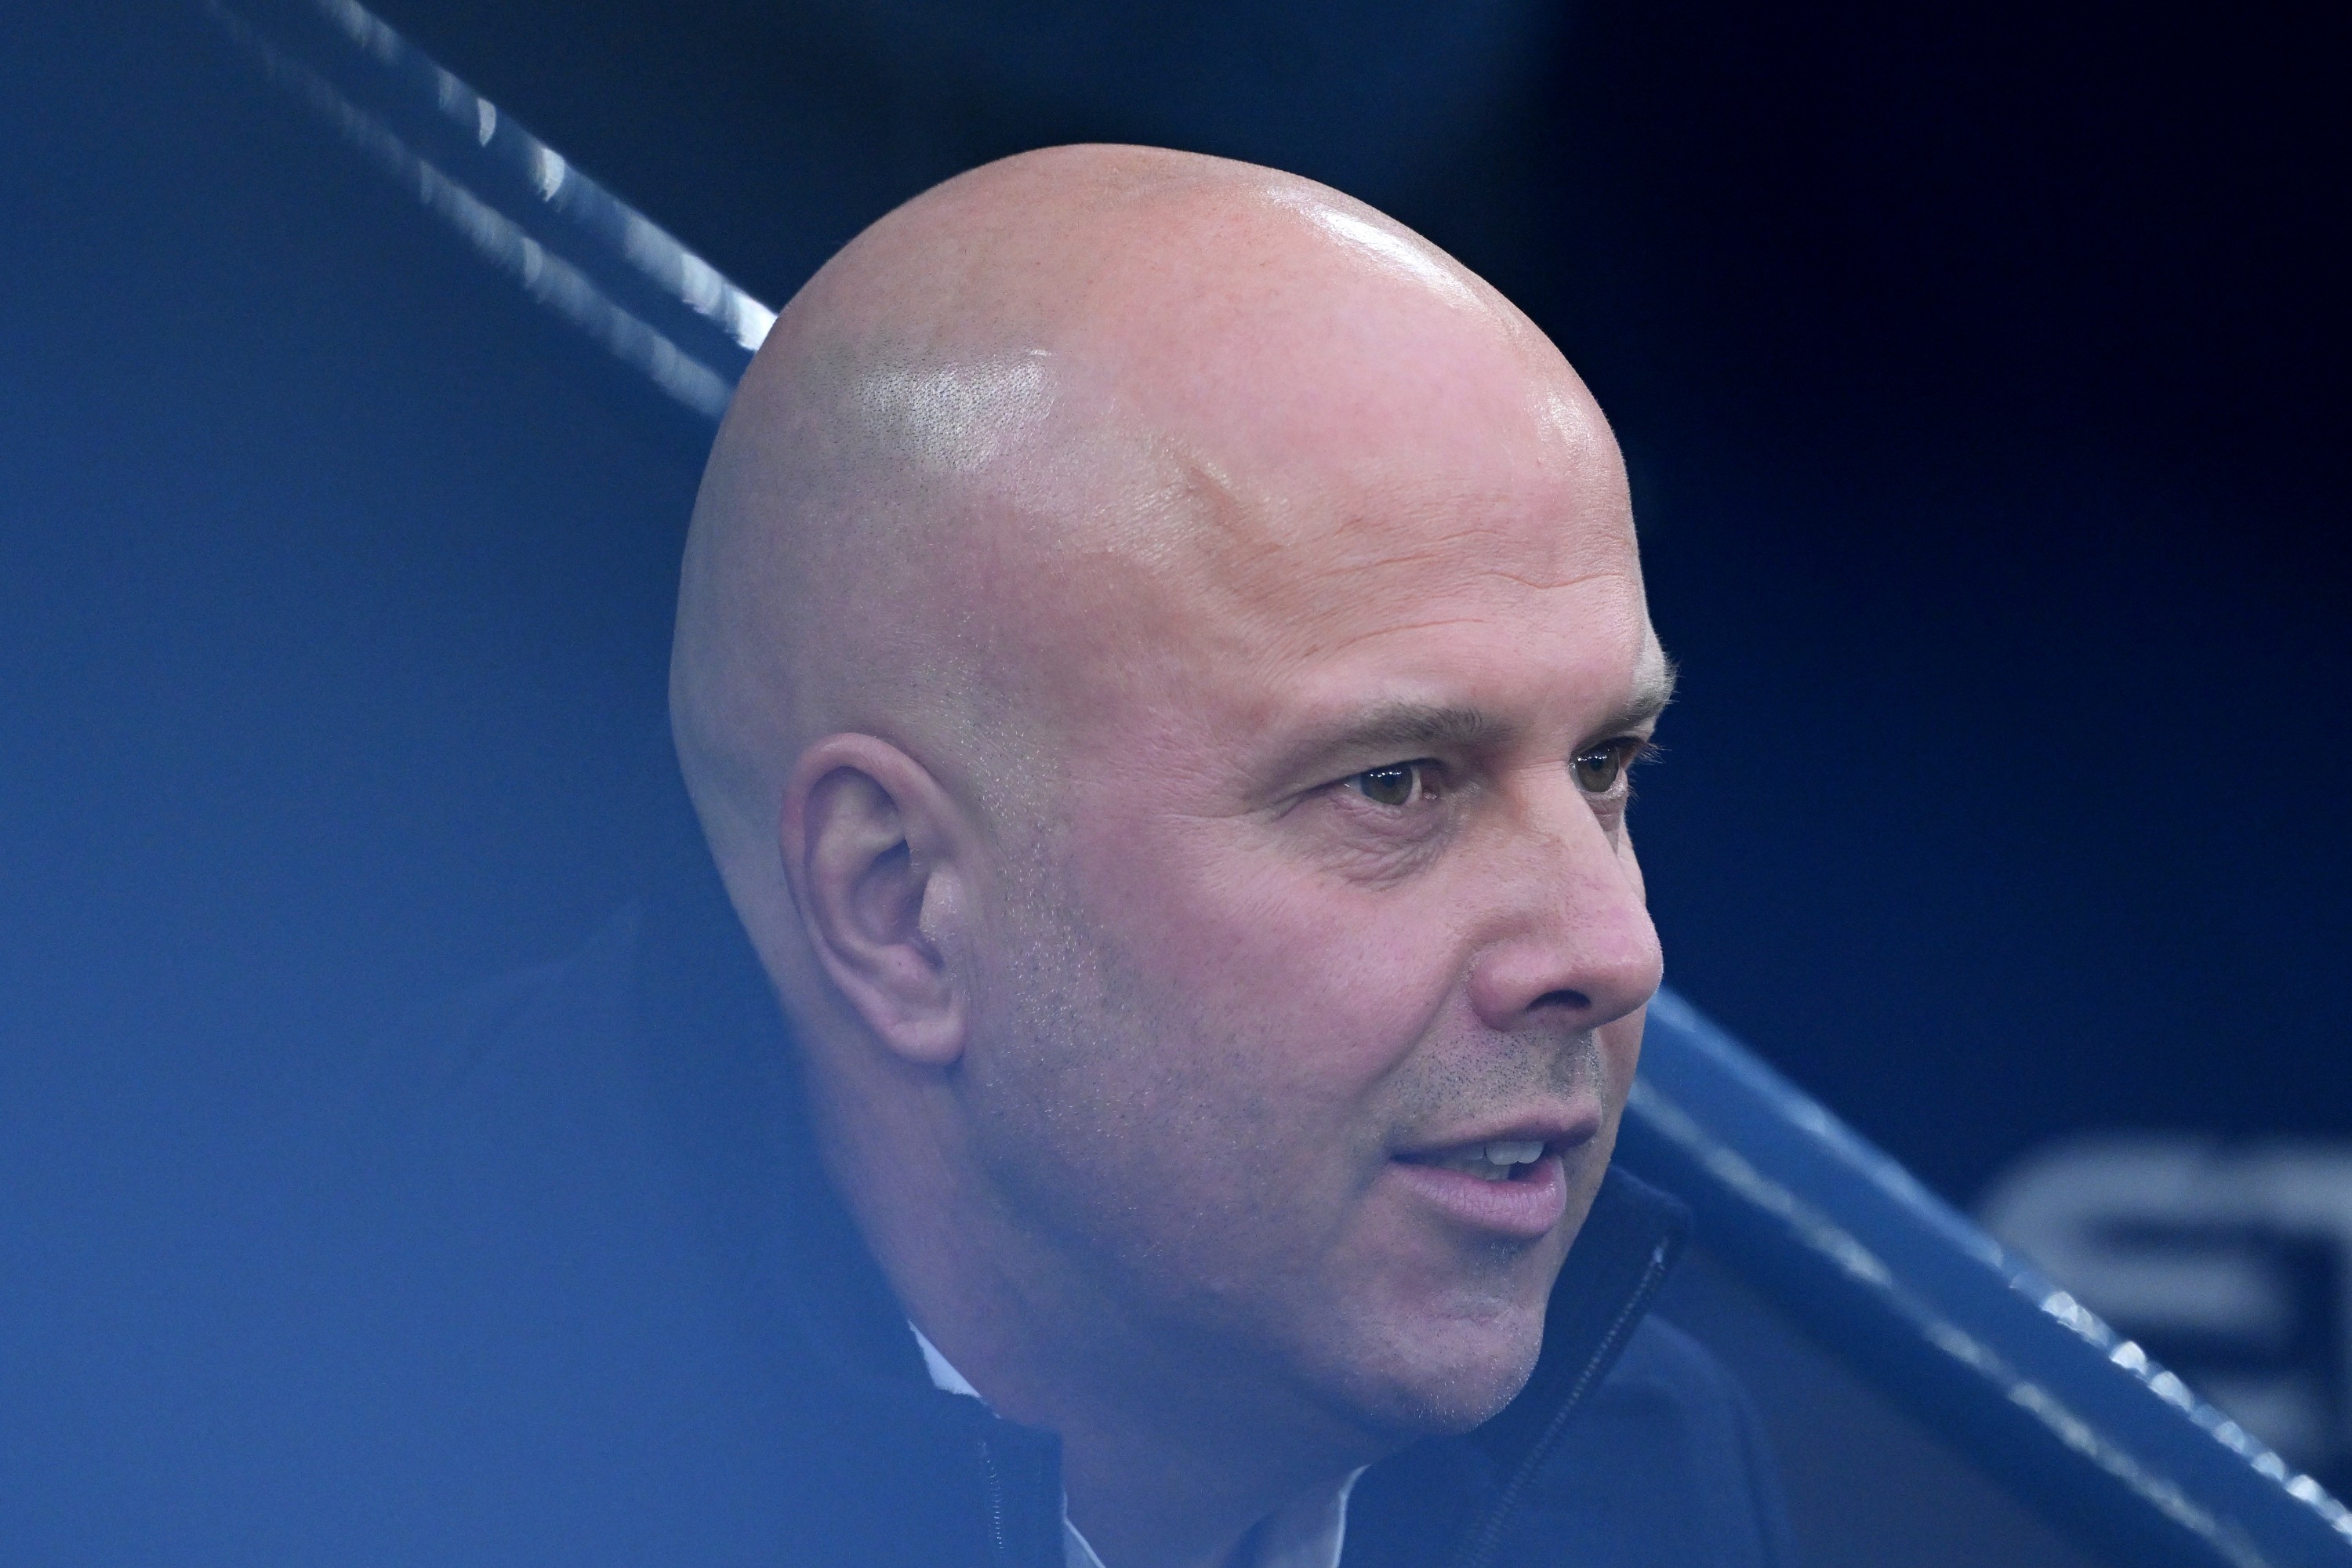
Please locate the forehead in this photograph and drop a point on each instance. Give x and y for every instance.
(1536, 621)
(1379, 466)
(1417, 567)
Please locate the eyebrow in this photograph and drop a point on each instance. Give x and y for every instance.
(1405, 726)
(1397, 729)
(1654, 690)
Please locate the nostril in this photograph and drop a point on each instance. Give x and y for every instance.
(1574, 1001)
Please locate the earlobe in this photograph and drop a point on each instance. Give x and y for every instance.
(871, 848)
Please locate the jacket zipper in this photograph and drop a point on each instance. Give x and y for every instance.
(994, 1482)
(1477, 1548)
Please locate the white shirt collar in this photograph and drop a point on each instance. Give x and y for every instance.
(1307, 1531)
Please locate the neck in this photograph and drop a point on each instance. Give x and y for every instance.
(1145, 1501)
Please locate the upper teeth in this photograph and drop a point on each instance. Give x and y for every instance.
(1495, 1160)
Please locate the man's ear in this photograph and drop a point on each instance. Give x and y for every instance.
(875, 851)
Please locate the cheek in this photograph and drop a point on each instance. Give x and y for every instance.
(1184, 1075)
(1338, 984)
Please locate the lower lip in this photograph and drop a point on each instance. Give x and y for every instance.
(1527, 1207)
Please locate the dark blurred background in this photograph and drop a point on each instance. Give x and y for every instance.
(1982, 371)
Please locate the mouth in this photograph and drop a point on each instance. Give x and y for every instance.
(1497, 1160)
(1512, 1182)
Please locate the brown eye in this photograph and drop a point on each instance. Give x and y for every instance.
(1598, 770)
(1399, 783)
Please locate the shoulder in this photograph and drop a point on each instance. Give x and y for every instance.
(1664, 1465)
(526, 1307)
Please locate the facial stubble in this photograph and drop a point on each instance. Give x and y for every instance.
(1198, 1180)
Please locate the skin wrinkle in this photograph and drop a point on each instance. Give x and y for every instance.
(1403, 629)
(1056, 511)
(1540, 585)
(1303, 621)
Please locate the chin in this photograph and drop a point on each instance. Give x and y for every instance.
(1442, 1377)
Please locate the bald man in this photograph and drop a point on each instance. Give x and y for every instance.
(1161, 652)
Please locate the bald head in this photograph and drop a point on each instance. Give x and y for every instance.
(1159, 652)
(995, 435)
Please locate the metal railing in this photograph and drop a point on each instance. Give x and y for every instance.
(574, 247)
(2016, 1373)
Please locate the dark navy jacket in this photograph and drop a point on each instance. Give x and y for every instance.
(570, 1290)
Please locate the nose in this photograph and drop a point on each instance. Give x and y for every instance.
(1570, 940)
